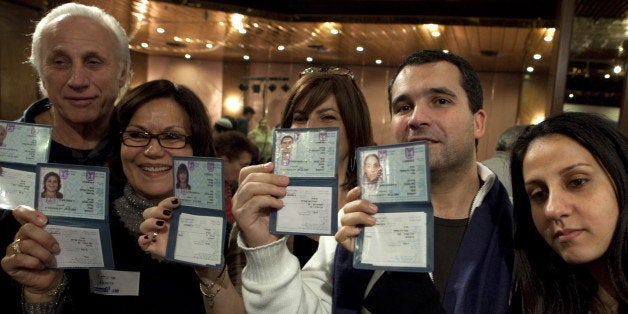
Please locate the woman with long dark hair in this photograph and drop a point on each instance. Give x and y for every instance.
(570, 190)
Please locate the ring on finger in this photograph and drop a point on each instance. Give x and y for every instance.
(16, 246)
(154, 236)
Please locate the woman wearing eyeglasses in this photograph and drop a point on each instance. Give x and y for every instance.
(322, 97)
(160, 120)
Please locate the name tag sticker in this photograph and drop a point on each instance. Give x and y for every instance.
(114, 282)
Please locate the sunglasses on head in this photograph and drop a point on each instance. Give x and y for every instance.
(330, 69)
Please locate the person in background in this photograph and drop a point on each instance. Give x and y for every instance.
(242, 122)
(500, 162)
(262, 137)
(435, 97)
(237, 152)
(81, 56)
(570, 185)
(222, 125)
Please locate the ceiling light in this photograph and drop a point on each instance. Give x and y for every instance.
(309, 59)
(313, 34)
(359, 48)
(607, 76)
(617, 69)
(140, 16)
(188, 40)
(242, 31)
(160, 30)
(536, 56)
(446, 51)
(281, 47)
(209, 46)
(144, 45)
(431, 27)
(142, 8)
(334, 31)
(549, 34)
(236, 20)
(175, 38)
(255, 25)
(246, 57)
(435, 34)
(570, 95)
(620, 49)
(188, 56)
(530, 69)
(378, 61)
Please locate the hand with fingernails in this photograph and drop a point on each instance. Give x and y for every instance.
(156, 226)
(260, 191)
(30, 258)
(356, 212)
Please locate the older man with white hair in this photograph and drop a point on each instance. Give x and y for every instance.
(82, 58)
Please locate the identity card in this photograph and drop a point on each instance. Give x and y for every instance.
(198, 226)
(396, 179)
(22, 146)
(75, 200)
(310, 158)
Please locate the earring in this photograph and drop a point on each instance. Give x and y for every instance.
(352, 165)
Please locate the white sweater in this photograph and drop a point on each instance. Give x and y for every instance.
(272, 281)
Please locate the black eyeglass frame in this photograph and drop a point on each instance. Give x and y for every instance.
(186, 139)
(328, 69)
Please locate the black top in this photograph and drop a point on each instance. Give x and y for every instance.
(165, 287)
(447, 236)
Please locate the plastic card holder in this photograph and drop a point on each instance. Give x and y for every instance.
(198, 226)
(24, 143)
(76, 201)
(396, 178)
(309, 156)
(22, 147)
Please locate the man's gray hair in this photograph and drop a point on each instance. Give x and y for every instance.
(89, 12)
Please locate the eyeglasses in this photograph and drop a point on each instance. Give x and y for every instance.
(333, 70)
(166, 140)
